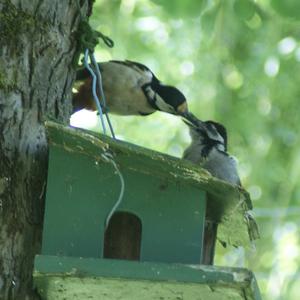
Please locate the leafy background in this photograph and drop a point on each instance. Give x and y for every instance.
(237, 62)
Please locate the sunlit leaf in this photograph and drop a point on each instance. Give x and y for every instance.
(208, 19)
(182, 8)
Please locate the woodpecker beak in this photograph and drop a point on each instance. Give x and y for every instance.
(183, 111)
(189, 118)
(192, 120)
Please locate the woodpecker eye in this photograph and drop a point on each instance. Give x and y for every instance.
(216, 132)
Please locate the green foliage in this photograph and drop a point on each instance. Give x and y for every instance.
(179, 8)
(287, 8)
(245, 9)
(209, 17)
(237, 64)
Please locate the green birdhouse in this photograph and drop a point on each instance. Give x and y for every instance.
(157, 238)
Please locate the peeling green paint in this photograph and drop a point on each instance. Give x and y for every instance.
(58, 278)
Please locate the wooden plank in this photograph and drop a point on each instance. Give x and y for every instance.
(72, 278)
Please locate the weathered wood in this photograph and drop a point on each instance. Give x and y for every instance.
(171, 211)
(70, 278)
(123, 237)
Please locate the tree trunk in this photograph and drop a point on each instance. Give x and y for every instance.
(37, 45)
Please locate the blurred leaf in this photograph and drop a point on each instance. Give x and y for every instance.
(181, 8)
(287, 8)
(245, 9)
(208, 19)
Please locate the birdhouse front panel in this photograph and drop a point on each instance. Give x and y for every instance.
(83, 188)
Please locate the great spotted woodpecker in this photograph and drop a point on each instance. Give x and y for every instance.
(130, 88)
(209, 149)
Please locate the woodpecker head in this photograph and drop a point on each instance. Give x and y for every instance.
(170, 99)
(167, 99)
(209, 132)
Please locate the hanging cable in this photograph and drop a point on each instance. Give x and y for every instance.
(108, 157)
(102, 95)
(88, 41)
(97, 78)
(85, 62)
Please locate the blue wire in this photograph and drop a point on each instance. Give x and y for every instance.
(95, 65)
(85, 61)
(102, 95)
(108, 157)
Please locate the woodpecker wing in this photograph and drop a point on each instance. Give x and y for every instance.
(133, 65)
(82, 73)
(123, 86)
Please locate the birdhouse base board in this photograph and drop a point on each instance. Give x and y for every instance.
(87, 278)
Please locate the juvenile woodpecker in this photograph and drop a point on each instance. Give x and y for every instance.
(130, 88)
(209, 149)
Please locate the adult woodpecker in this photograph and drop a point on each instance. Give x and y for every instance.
(130, 88)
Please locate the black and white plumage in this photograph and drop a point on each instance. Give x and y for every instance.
(130, 88)
(209, 149)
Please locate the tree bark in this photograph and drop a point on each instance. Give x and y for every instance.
(37, 45)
